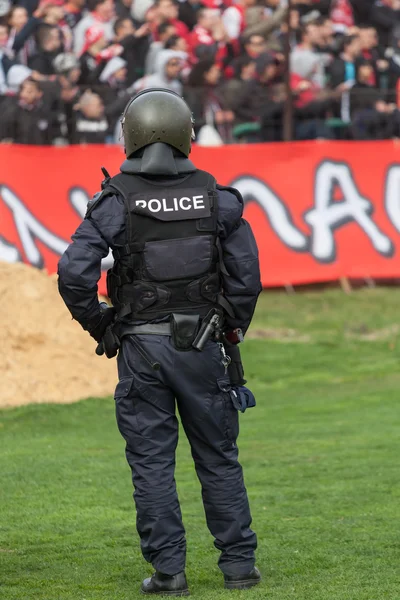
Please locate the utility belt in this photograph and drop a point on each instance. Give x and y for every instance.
(189, 332)
(186, 331)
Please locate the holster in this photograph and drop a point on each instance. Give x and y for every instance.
(183, 330)
(235, 368)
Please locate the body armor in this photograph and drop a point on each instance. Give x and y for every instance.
(172, 259)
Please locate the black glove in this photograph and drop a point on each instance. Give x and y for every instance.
(98, 329)
(109, 344)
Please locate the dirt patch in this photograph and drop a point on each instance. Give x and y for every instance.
(282, 335)
(46, 356)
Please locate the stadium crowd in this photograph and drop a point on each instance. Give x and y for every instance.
(68, 67)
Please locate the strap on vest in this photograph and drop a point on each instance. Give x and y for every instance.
(225, 305)
(121, 251)
(126, 277)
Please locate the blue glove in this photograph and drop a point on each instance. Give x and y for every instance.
(242, 398)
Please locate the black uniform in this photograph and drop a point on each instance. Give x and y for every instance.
(178, 243)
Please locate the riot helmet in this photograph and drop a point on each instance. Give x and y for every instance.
(154, 116)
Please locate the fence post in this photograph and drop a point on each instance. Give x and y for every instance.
(288, 113)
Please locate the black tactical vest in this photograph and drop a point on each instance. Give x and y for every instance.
(172, 259)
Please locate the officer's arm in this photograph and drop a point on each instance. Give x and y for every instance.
(79, 269)
(243, 286)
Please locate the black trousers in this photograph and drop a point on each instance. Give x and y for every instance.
(145, 408)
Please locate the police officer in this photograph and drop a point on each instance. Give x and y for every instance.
(186, 271)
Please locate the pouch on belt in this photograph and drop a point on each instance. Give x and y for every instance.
(183, 330)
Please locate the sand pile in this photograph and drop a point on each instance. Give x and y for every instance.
(45, 356)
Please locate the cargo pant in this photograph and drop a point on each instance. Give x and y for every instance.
(145, 409)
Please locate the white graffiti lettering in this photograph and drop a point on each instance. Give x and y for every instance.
(328, 214)
(253, 189)
(79, 199)
(29, 228)
(8, 252)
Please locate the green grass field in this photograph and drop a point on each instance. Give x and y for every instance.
(320, 452)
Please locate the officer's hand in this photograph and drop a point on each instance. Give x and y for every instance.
(107, 317)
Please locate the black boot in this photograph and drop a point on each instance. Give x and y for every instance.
(242, 582)
(166, 585)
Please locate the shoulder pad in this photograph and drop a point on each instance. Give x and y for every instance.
(95, 201)
(232, 190)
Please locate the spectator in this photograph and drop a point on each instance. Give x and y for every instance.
(176, 43)
(3, 36)
(95, 54)
(343, 68)
(254, 45)
(251, 101)
(17, 19)
(114, 78)
(368, 43)
(385, 14)
(68, 72)
(265, 22)
(373, 118)
(164, 31)
(342, 16)
(363, 95)
(53, 14)
(310, 39)
(372, 53)
(168, 68)
(123, 9)
(234, 18)
(114, 90)
(312, 102)
(187, 12)
(166, 11)
(49, 45)
(362, 10)
(208, 38)
(203, 96)
(294, 31)
(393, 55)
(327, 43)
(135, 43)
(239, 86)
(26, 119)
(16, 76)
(5, 59)
(140, 10)
(21, 29)
(101, 13)
(73, 11)
(272, 114)
(91, 125)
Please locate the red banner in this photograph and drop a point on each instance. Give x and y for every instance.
(319, 210)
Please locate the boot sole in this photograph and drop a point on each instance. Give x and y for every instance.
(177, 593)
(241, 585)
